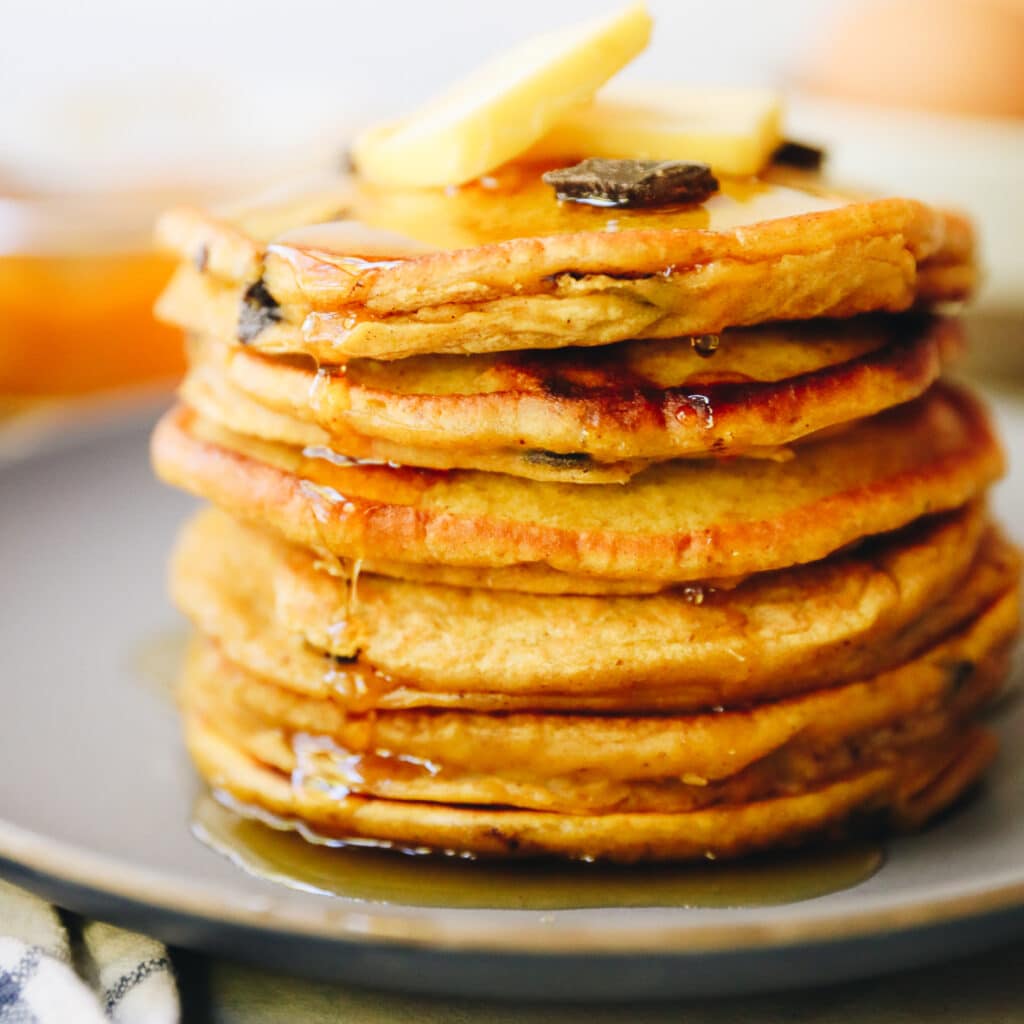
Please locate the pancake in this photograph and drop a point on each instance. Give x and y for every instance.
(500, 265)
(616, 513)
(577, 763)
(678, 521)
(207, 390)
(757, 390)
(905, 792)
(273, 611)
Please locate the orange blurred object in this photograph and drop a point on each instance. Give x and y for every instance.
(70, 325)
(949, 56)
(77, 285)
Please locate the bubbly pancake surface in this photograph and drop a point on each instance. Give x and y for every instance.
(584, 416)
(677, 521)
(385, 643)
(504, 266)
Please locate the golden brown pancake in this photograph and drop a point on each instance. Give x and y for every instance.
(775, 610)
(274, 611)
(678, 521)
(346, 270)
(906, 790)
(578, 763)
(751, 392)
(208, 391)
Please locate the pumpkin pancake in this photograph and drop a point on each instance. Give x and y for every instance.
(906, 790)
(207, 390)
(748, 392)
(501, 264)
(677, 521)
(616, 510)
(600, 763)
(274, 611)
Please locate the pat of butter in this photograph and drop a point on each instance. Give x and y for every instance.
(734, 130)
(505, 107)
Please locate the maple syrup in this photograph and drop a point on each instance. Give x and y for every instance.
(386, 226)
(273, 848)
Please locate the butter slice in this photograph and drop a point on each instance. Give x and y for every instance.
(503, 108)
(734, 130)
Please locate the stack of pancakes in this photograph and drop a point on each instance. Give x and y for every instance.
(540, 527)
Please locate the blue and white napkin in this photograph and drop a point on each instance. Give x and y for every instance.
(88, 975)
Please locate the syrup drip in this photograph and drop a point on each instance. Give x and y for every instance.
(705, 344)
(696, 405)
(360, 688)
(318, 385)
(321, 498)
(352, 596)
(324, 765)
(288, 853)
(337, 459)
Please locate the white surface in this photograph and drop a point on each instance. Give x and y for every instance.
(124, 88)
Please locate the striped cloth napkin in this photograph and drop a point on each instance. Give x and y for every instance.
(57, 970)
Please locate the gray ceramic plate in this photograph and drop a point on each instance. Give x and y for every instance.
(96, 798)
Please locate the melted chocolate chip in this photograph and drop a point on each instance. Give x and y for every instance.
(799, 154)
(344, 659)
(258, 311)
(557, 460)
(633, 182)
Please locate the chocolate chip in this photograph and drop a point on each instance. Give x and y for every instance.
(344, 659)
(633, 182)
(557, 460)
(799, 154)
(258, 311)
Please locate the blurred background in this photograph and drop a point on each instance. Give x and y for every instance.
(114, 109)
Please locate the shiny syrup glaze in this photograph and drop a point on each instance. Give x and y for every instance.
(607, 388)
(387, 225)
(289, 854)
(384, 227)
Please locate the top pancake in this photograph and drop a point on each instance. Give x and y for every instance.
(342, 269)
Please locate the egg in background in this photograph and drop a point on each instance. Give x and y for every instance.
(948, 56)
(926, 98)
